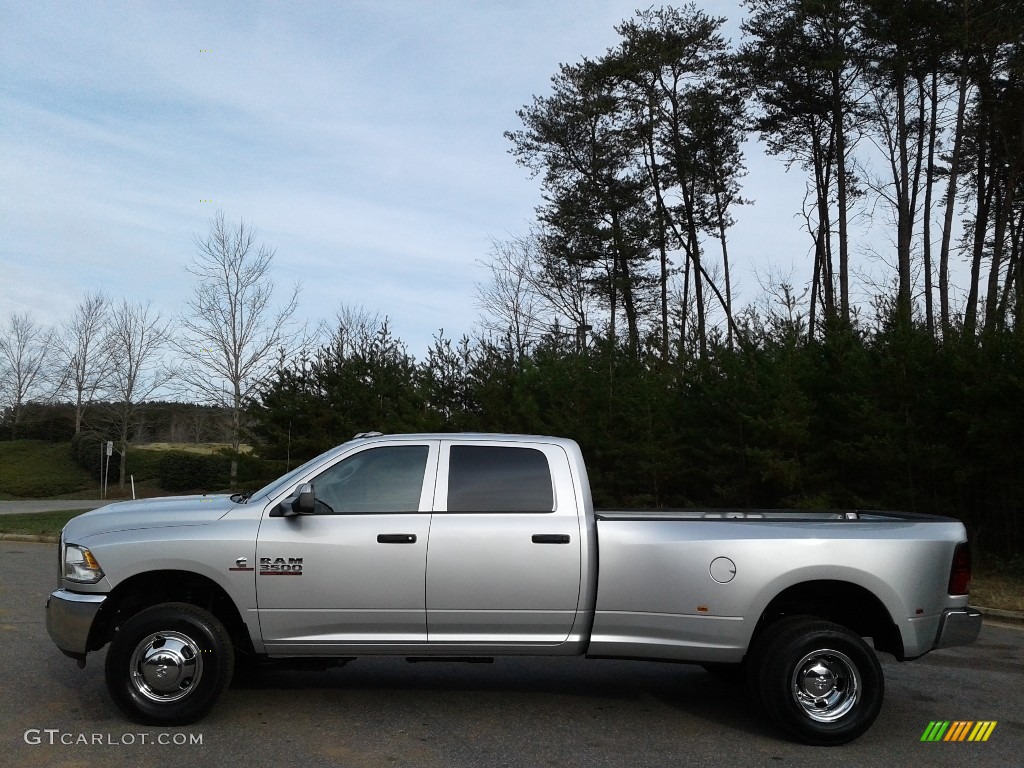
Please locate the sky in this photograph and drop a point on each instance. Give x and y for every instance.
(362, 139)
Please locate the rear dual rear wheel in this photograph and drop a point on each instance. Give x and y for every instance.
(817, 680)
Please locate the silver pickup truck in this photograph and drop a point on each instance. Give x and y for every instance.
(466, 546)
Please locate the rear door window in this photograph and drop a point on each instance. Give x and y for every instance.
(499, 479)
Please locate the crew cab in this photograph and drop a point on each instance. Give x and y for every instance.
(465, 546)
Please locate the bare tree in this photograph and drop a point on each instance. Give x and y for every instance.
(24, 353)
(564, 289)
(508, 301)
(82, 350)
(355, 330)
(137, 340)
(534, 291)
(231, 332)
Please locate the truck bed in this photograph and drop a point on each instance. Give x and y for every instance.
(692, 584)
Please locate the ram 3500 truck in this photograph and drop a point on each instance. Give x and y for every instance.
(473, 545)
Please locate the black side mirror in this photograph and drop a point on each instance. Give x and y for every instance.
(302, 502)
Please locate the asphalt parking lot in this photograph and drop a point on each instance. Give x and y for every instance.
(515, 712)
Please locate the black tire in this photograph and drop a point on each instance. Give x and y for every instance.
(726, 672)
(817, 680)
(167, 665)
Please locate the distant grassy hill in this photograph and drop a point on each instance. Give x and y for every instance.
(36, 469)
(203, 448)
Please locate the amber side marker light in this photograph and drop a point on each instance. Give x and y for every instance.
(90, 560)
(960, 573)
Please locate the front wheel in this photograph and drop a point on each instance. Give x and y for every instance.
(168, 664)
(818, 680)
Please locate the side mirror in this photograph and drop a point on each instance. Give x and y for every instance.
(303, 502)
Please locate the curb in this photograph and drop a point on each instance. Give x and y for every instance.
(998, 614)
(30, 537)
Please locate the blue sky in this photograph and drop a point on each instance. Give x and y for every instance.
(362, 139)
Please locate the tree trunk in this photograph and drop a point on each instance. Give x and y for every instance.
(926, 223)
(698, 281)
(992, 290)
(982, 211)
(123, 464)
(841, 191)
(951, 194)
(720, 212)
(652, 159)
(628, 303)
(904, 223)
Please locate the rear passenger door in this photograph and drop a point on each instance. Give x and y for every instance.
(503, 562)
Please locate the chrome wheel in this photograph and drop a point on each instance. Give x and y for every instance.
(816, 679)
(826, 685)
(166, 666)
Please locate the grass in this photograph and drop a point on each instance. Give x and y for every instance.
(37, 469)
(998, 583)
(40, 523)
(34, 469)
(189, 447)
(1003, 592)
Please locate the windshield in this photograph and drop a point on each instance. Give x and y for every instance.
(290, 477)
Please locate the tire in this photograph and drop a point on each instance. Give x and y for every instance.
(725, 672)
(817, 680)
(167, 665)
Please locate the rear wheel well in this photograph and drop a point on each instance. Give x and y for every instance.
(148, 589)
(841, 602)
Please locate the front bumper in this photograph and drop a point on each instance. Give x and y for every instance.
(69, 618)
(959, 626)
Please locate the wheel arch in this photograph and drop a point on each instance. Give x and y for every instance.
(151, 588)
(840, 602)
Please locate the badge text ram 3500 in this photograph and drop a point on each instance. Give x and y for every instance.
(471, 545)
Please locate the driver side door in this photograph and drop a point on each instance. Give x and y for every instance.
(351, 574)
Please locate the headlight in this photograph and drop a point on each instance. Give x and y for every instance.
(80, 565)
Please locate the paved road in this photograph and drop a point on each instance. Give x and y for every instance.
(529, 712)
(18, 507)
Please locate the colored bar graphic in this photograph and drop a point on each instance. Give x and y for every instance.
(959, 730)
(935, 731)
(982, 730)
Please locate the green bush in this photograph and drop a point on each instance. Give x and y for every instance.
(52, 422)
(38, 469)
(253, 472)
(182, 471)
(85, 451)
(144, 464)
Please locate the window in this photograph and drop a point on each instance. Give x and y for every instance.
(377, 480)
(498, 479)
